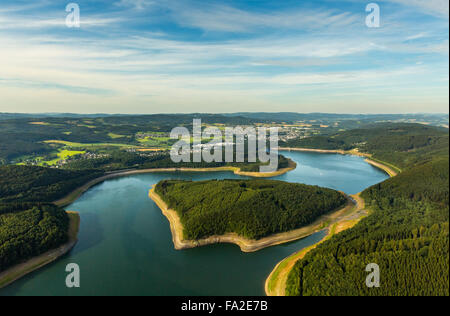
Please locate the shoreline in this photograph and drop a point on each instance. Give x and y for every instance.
(18, 271)
(390, 171)
(353, 152)
(75, 194)
(368, 157)
(275, 284)
(246, 245)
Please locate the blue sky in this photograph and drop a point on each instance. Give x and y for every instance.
(158, 56)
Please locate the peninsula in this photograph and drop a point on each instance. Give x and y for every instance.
(253, 214)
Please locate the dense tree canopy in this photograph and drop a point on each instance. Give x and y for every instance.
(407, 234)
(30, 230)
(29, 223)
(400, 144)
(38, 184)
(125, 160)
(250, 208)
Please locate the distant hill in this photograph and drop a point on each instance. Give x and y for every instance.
(360, 119)
(7, 116)
(289, 117)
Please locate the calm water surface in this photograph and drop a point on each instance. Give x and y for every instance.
(125, 245)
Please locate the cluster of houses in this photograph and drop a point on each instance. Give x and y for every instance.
(62, 162)
(150, 134)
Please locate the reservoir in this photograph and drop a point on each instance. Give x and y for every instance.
(125, 245)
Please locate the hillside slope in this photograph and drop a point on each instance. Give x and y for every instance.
(407, 234)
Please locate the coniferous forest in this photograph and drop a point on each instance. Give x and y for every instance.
(28, 230)
(407, 233)
(250, 208)
(29, 223)
(39, 184)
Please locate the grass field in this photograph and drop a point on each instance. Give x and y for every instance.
(40, 123)
(87, 145)
(114, 136)
(68, 149)
(161, 142)
(62, 155)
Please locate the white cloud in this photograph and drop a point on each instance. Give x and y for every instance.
(5, 8)
(106, 69)
(17, 23)
(436, 7)
(416, 36)
(136, 4)
(228, 19)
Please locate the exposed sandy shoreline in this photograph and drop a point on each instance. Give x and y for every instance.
(390, 171)
(12, 274)
(71, 197)
(245, 244)
(18, 271)
(354, 152)
(275, 284)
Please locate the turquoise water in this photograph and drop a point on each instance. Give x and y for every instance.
(125, 245)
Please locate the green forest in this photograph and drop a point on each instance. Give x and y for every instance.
(29, 223)
(251, 208)
(400, 144)
(125, 160)
(26, 191)
(28, 230)
(38, 184)
(407, 233)
(24, 135)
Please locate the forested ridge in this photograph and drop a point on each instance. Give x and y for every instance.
(24, 136)
(38, 184)
(123, 160)
(29, 230)
(29, 223)
(407, 234)
(400, 144)
(250, 208)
